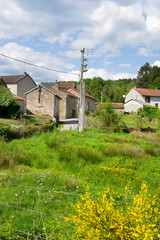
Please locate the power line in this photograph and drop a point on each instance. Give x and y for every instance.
(23, 232)
(34, 65)
(30, 210)
(51, 190)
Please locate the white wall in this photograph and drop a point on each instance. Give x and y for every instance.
(132, 106)
(133, 94)
(12, 88)
(153, 101)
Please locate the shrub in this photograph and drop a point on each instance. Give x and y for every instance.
(8, 106)
(150, 112)
(108, 117)
(101, 218)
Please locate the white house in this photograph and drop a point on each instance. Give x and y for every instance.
(138, 97)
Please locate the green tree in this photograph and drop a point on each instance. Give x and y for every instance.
(156, 83)
(143, 77)
(108, 117)
(8, 106)
(96, 86)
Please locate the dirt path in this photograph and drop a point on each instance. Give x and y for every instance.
(70, 124)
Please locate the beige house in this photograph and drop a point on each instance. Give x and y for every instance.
(42, 101)
(19, 84)
(68, 103)
(89, 100)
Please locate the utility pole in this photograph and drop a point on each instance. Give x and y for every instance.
(82, 93)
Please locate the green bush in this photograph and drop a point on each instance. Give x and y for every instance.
(150, 112)
(109, 118)
(8, 106)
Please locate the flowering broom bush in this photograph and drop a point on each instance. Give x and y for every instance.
(102, 218)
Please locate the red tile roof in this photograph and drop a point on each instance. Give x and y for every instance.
(64, 85)
(69, 93)
(115, 105)
(78, 91)
(118, 105)
(148, 92)
(18, 98)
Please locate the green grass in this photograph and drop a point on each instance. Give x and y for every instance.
(47, 172)
(27, 119)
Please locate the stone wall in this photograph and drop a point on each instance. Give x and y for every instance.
(72, 105)
(62, 106)
(89, 104)
(40, 102)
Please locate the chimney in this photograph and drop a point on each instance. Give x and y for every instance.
(56, 85)
(25, 74)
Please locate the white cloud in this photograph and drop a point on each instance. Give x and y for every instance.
(92, 72)
(38, 58)
(126, 65)
(156, 63)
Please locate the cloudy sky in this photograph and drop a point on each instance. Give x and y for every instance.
(119, 36)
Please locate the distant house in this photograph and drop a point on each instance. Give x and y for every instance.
(139, 97)
(89, 100)
(119, 107)
(68, 103)
(19, 84)
(42, 101)
(70, 99)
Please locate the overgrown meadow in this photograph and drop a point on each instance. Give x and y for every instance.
(71, 185)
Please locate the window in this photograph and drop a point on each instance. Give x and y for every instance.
(156, 104)
(147, 99)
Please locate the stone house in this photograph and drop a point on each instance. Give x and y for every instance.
(68, 103)
(42, 101)
(19, 84)
(138, 97)
(89, 100)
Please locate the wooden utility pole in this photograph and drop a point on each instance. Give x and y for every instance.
(82, 94)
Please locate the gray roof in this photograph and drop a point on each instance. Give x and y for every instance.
(138, 101)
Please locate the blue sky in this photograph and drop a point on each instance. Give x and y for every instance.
(124, 35)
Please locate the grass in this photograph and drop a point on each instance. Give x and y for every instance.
(27, 119)
(47, 172)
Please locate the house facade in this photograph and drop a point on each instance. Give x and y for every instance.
(68, 103)
(89, 100)
(42, 101)
(138, 97)
(19, 84)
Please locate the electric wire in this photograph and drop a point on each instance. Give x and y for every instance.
(23, 232)
(30, 210)
(51, 190)
(34, 65)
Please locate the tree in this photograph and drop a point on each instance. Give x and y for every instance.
(8, 106)
(143, 77)
(96, 86)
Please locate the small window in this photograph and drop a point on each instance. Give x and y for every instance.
(156, 104)
(147, 99)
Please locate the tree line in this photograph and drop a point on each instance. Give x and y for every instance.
(148, 77)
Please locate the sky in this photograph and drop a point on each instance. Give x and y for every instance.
(119, 36)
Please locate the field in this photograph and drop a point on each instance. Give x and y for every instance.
(45, 178)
